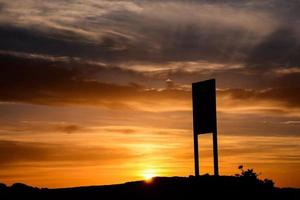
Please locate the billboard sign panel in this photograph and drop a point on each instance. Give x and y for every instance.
(204, 107)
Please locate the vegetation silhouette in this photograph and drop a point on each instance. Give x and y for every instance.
(250, 177)
(245, 185)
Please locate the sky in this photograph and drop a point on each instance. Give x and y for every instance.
(99, 92)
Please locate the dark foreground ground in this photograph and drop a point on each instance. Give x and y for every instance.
(167, 188)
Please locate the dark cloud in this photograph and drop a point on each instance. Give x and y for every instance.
(2, 6)
(233, 33)
(23, 39)
(71, 128)
(121, 130)
(140, 36)
(258, 35)
(16, 152)
(289, 96)
(42, 81)
(279, 49)
(73, 67)
(286, 80)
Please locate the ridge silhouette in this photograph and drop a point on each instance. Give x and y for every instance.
(243, 186)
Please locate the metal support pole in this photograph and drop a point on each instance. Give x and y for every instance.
(196, 154)
(215, 147)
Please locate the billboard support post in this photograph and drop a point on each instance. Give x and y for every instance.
(215, 147)
(196, 154)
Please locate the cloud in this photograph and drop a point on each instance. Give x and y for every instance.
(41, 81)
(291, 122)
(279, 49)
(23, 39)
(125, 31)
(261, 148)
(232, 40)
(288, 96)
(18, 152)
(72, 128)
(48, 80)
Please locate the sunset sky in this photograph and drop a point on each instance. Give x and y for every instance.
(99, 92)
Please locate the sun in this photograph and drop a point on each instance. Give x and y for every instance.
(149, 174)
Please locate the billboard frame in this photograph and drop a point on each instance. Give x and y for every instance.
(205, 120)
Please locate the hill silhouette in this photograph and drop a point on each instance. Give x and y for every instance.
(167, 188)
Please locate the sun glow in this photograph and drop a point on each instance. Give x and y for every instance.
(149, 174)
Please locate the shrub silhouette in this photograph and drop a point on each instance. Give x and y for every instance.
(268, 183)
(250, 177)
(249, 173)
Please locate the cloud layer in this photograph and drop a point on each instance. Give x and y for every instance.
(150, 31)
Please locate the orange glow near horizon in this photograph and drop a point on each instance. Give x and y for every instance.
(77, 146)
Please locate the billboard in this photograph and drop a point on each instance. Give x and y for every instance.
(204, 107)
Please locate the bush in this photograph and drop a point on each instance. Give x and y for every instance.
(249, 176)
